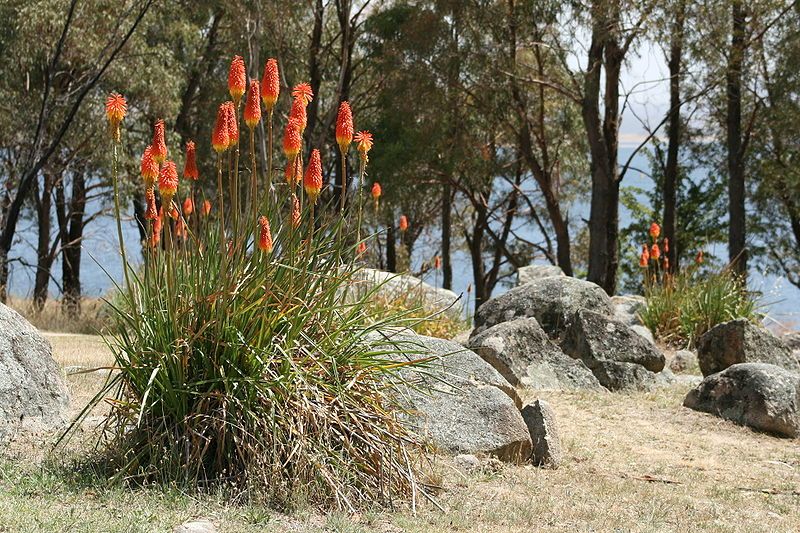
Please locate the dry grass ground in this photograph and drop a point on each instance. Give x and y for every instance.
(634, 462)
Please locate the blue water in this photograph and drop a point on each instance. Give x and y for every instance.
(101, 258)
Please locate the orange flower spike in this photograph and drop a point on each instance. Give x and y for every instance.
(303, 92)
(437, 262)
(151, 212)
(270, 84)
(666, 263)
(149, 168)
(264, 235)
(403, 223)
(376, 191)
(179, 229)
(158, 223)
(644, 258)
(159, 146)
(344, 127)
(362, 248)
(206, 207)
(219, 137)
(666, 245)
(232, 122)
(698, 259)
(292, 139)
(252, 109)
(168, 182)
(363, 141)
(116, 109)
(655, 252)
(295, 211)
(188, 207)
(313, 179)
(237, 79)
(655, 230)
(293, 172)
(190, 171)
(298, 114)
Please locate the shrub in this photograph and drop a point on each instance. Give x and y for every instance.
(683, 305)
(239, 359)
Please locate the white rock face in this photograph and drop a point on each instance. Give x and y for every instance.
(410, 290)
(33, 392)
(530, 273)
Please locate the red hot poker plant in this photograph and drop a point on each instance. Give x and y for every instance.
(312, 182)
(149, 168)
(252, 109)
(270, 84)
(237, 79)
(190, 171)
(259, 313)
(159, 145)
(116, 109)
(219, 136)
(344, 127)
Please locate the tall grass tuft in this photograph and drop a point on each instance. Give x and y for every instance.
(689, 303)
(250, 366)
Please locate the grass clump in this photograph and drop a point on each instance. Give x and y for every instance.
(684, 304)
(240, 359)
(690, 303)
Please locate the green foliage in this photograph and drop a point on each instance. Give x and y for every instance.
(685, 305)
(249, 369)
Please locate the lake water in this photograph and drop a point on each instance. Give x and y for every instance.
(781, 300)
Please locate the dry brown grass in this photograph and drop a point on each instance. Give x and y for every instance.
(634, 462)
(52, 318)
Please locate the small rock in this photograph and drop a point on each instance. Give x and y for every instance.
(763, 396)
(627, 308)
(792, 340)
(541, 421)
(741, 341)
(665, 378)
(523, 354)
(462, 338)
(622, 376)
(467, 462)
(644, 333)
(530, 273)
(551, 301)
(683, 360)
(196, 526)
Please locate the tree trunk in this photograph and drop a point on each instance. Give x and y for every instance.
(71, 253)
(447, 266)
(671, 170)
(391, 250)
(737, 251)
(590, 110)
(43, 256)
(314, 70)
(475, 244)
(603, 137)
(3, 275)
